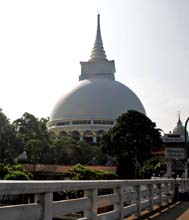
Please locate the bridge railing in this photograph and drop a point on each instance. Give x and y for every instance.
(124, 197)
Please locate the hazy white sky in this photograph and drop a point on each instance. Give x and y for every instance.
(42, 42)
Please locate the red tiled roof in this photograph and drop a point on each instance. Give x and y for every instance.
(61, 169)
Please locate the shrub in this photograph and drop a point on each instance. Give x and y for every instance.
(80, 172)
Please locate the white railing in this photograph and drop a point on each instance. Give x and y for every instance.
(125, 197)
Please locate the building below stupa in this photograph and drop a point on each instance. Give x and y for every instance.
(92, 107)
(176, 138)
(175, 144)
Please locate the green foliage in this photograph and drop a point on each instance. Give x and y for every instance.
(33, 137)
(17, 175)
(13, 172)
(30, 134)
(154, 166)
(69, 151)
(131, 140)
(7, 141)
(29, 127)
(66, 151)
(34, 148)
(81, 172)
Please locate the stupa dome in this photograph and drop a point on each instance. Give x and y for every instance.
(179, 129)
(96, 99)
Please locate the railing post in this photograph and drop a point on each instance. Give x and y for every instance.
(45, 200)
(91, 214)
(138, 199)
(173, 185)
(176, 191)
(180, 185)
(151, 197)
(187, 185)
(171, 191)
(120, 204)
(168, 195)
(184, 186)
(160, 194)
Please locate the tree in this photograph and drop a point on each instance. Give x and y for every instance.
(35, 149)
(130, 141)
(69, 151)
(66, 151)
(154, 166)
(33, 137)
(7, 140)
(29, 127)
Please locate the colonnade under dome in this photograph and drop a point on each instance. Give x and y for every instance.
(87, 135)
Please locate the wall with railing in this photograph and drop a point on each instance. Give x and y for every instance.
(122, 197)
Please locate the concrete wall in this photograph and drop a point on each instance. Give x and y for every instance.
(125, 196)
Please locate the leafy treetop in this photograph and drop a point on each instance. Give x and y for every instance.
(131, 139)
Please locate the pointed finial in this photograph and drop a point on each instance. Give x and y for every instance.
(178, 115)
(179, 121)
(98, 53)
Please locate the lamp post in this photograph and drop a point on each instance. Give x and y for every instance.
(186, 148)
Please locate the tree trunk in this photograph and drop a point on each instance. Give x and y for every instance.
(125, 168)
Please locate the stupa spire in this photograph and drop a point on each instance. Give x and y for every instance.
(98, 66)
(98, 53)
(179, 121)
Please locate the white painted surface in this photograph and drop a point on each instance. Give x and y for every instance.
(96, 99)
(97, 95)
(134, 193)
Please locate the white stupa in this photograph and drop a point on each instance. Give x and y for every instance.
(179, 129)
(92, 107)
